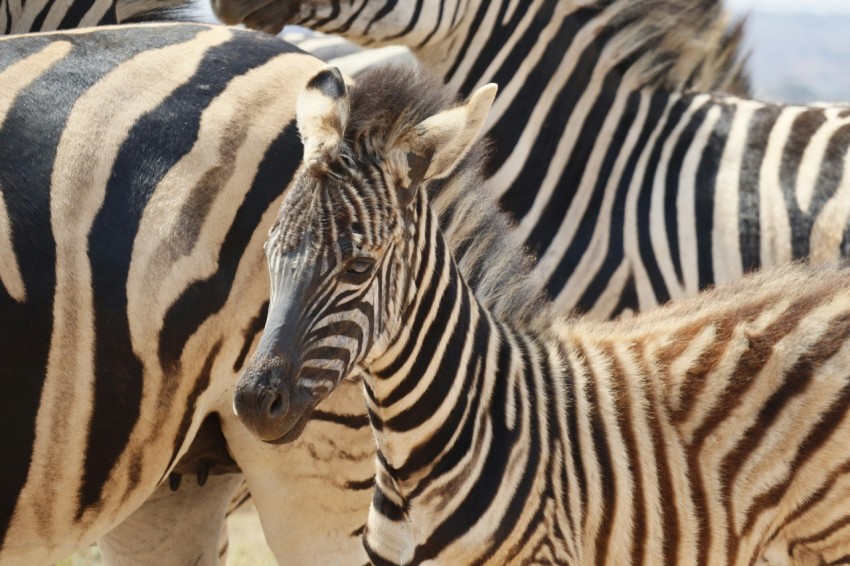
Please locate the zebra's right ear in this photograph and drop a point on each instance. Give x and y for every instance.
(445, 138)
(322, 112)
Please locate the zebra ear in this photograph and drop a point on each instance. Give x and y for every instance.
(322, 112)
(445, 138)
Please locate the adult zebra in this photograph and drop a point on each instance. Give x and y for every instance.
(630, 185)
(141, 169)
(183, 519)
(708, 432)
(27, 16)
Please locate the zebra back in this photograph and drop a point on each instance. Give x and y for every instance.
(691, 44)
(25, 16)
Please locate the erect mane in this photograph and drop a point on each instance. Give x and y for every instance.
(386, 104)
(683, 44)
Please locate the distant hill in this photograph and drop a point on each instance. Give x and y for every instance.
(800, 57)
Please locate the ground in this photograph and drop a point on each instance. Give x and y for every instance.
(247, 546)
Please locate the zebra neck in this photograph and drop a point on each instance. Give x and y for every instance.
(436, 356)
(447, 405)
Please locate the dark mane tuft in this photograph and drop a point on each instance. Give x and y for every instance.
(389, 100)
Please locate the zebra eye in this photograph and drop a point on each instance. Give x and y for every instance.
(360, 267)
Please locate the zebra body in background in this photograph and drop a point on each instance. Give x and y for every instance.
(25, 16)
(709, 431)
(136, 187)
(628, 179)
(184, 525)
(181, 525)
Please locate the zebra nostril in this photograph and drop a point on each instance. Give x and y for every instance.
(276, 407)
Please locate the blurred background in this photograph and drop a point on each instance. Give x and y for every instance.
(800, 49)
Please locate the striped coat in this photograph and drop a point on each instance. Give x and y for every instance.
(631, 178)
(710, 431)
(142, 168)
(24, 16)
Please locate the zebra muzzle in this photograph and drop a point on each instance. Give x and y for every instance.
(272, 409)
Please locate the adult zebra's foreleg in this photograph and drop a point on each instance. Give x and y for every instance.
(174, 527)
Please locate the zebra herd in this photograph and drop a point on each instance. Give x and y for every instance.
(144, 166)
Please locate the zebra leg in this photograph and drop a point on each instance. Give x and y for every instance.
(175, 527)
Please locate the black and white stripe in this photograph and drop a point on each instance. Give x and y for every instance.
(24, 16)
(141, 169)
(144, 536)
(195, 513)
(713, 430)
(630, 186)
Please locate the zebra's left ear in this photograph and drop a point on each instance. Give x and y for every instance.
(445, 138)
(322, 112)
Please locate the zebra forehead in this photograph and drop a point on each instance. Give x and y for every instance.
(334, 213)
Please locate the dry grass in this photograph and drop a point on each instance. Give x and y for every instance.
(247, 545)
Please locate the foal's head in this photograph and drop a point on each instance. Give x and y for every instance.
(346, 251)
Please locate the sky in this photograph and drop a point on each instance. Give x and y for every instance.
(800, 49)
(807, 6)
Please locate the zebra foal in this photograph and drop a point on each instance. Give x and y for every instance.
(713, 430)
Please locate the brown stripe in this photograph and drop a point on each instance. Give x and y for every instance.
(679, 342)
(797, 380)
(624, 420)
(666, 493)
(694, 382)
(602, 452)
(813, 500)
(812, 443)
(749, 365)
(822, 535)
